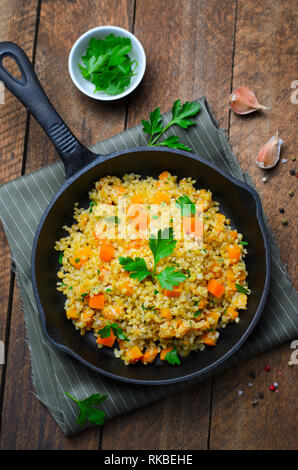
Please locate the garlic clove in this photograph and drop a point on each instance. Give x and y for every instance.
(244, 101)
(269, 155)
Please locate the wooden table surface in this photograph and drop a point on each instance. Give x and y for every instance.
(193, 48)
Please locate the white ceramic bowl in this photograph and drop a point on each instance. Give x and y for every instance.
(79, 48)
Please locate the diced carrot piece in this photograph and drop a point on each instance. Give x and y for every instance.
(126, 288)
(109, 341)
(111, 312)
(106, 252)
(120, 189)
(134, 355)
(213, 318)
(97, 301)
(164, 352)
(149, 355)
(202, 303)
(141, 221)
(87, 318)
(233, 234)
(230, 275)
(232, 313)
(220, 218)
(81, 257)
(209, 338)
(216, 288)
(72, 314)
(234, 253)
(219, 227)
(193, 225)
(163, 175)
(176, 292)
(165, 313)
(160, 197)
(137, 199)
(134, 244)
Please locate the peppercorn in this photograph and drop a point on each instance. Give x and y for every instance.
(261, 395)
(281, 210)
(252, 374)
(292, 172)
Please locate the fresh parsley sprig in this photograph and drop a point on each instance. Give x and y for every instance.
(172, 357)
(136, 267)
(87, 410)
(105, 332)
(241, 289)
(161, 246)
(107, 64)
(187, 207)
(180, 114)
(169, 278)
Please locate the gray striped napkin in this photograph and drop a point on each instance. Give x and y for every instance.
(23, 202)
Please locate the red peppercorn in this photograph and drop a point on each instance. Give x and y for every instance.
(267, 368)
(272, 388)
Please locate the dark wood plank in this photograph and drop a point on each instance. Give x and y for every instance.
(271, 424)
(177, 422)
(17, 23)
(91, 121)
(187, 45)
(264, 61)
(26, 423)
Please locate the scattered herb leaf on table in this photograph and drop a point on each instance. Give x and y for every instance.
(87, 410)
(180, 114)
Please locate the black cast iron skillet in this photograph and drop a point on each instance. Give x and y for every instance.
(238, 201)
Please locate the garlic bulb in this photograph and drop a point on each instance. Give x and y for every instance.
(244, 101)
(269, 155)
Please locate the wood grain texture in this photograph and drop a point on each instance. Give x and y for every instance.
(264, 61)
(91, 121)
(187, 46)
(271, 424)
(193, 48)
(176, 422)
(17, 23)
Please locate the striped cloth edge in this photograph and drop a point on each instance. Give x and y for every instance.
(24, 200)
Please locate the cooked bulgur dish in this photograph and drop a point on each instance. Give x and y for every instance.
(152, 268)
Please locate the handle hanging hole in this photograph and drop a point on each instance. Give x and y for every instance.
(12, 67)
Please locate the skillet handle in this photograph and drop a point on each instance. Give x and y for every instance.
(30, 92)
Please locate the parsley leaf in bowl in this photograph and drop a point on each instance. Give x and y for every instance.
(107, 64)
